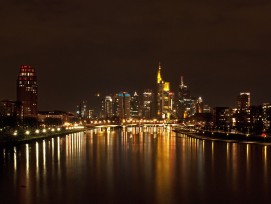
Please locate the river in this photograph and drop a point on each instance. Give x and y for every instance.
(135, 165)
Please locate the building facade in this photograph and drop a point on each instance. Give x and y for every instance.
(164, 97)
(82, 110)
(147, 104)
(242, 114)
(108, 107)
(135, 106)
(123, 105)
(222, 118)
(186, 105)
(27, 91)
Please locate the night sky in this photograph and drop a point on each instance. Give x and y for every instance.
(81, 47)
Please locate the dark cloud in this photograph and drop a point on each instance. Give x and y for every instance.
(80, 47)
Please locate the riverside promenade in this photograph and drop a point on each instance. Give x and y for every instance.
(21, 137)
(225, 136)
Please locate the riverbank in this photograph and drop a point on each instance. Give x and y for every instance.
(11, 140)
(226, 136)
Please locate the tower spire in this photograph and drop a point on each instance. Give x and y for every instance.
(159, 77)
(182, 83)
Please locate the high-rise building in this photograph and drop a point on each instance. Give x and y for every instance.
(108, 107)
(82, 109)
(163, 97)
(115, 99)
(199, 105)
(242, 115)
(166, 98)
(185, 103)
(159, 94)
(171, 98)
(135, 104)
(123, 106)
(27, 91)
(147, 104)
(243, 101)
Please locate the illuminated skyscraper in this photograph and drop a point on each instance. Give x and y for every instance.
(135, 105)
(123, 106)
(185, 101)
(243, 101)
(27, 91)
(163, 97)
(82, 109)
(243, 116)
(199, 105)
(159, 94)
(147, 104)
(108, 107)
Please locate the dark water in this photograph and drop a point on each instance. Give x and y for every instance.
(135, 166)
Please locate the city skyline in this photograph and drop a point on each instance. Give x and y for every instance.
(220, 48)
(135, 101)
(91, 101)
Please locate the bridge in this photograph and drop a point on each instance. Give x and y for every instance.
(130, 123)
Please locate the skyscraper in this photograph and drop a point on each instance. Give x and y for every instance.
(82, 109)
(243, 101)
(199, 105)
(27, 91)
(147, 104)
(135, 105)
(163, 97)
(242, 115)
(108, 107)
(123, 107)
(159, 94)
(185, 101)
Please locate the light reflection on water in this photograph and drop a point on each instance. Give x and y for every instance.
(141, 164)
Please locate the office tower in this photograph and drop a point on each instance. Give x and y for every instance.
(108, 107)
(242, 115)
(243, 101)
(98, 103)
(82, 109)
(166, 98)
(27, 91)
(163, 97)
(185, 104)
(123, 106)
(199, 105)
(159, 94)
(147, 104)
(135, 104)
(115, 99)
